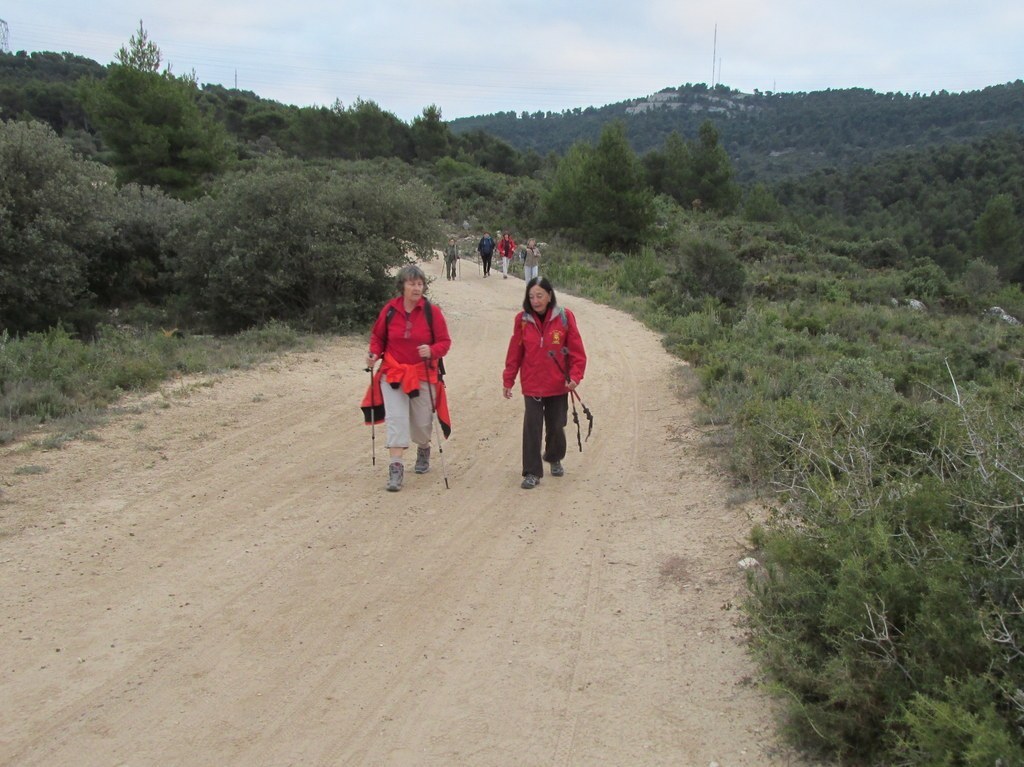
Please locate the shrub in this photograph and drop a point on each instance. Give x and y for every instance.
(53, 216)
(300, 244)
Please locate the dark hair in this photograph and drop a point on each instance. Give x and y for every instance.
(542, 282)
(410, 273)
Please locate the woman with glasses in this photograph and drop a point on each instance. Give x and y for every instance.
(410, 336)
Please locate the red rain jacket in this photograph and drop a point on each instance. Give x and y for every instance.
(539, 355)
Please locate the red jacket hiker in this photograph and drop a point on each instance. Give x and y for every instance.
(530, 348)
(397, 340)
(406, 332)
(507, 246)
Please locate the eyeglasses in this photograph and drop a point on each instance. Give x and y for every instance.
(408, 327)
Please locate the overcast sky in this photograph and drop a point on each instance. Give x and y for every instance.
(473, 57)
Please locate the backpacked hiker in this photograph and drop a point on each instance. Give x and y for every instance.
(531, 261)
(486, 250)
(506, 249)
(547, 353)
(411, 336)
(451, 258)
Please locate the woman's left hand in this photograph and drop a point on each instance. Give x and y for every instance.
(424, 351)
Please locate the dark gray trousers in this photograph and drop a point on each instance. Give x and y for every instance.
(544, 419)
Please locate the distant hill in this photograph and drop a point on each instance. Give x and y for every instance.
(772, 136)
(769, 137)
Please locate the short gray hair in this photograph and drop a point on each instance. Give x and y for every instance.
(410, 273)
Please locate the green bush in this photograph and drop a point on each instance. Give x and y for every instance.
(54, 217)
(314, 246)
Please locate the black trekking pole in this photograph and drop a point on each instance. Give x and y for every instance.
(575, 415)
(373, 417)
(586, 410)
(434, 419)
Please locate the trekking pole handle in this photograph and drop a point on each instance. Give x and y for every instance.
(569, 383)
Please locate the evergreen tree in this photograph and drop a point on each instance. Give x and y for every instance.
(140, 53)
(677, 175)
(600, 193)
(152, 123)
(712, 182)
(430, 135)
(997, 234)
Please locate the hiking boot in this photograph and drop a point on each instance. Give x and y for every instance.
(422, 460)
(396, 473)
(529, 482)
(557, 470)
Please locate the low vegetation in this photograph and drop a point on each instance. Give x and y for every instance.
(53, 379)
(886, 437)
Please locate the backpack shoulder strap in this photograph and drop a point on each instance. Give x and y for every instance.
(387, 323)
(427, 310)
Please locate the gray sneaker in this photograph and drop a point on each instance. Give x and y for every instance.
(396, 473)
(422, 460)
(529, 482)
(557, 470)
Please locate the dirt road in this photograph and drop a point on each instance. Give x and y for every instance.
(220, 578)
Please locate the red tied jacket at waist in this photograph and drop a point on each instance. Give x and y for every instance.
(539, 353)
(408, 378)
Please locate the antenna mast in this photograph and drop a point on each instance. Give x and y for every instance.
(4, 37)
(714, 57)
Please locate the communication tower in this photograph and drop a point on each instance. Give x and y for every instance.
(3, 37)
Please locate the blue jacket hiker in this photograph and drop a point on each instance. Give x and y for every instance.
(486, 251)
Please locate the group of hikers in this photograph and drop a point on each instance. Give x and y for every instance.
(506, 249)
(410, 339)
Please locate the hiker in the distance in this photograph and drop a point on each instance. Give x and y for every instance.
(411, 336)
(531, 264)
(547, 354)
(486, 250)
(451, 259)
(506, 249)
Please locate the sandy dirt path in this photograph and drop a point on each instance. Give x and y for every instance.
(220, 578)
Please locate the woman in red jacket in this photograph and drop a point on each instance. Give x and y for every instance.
(411, 335)
(506, 248)
(547, 353)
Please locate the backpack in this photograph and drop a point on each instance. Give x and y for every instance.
(428, 311)
(559, 312)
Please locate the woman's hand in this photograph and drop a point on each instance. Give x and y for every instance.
(424, 351)
(508, 393)
(571, 385)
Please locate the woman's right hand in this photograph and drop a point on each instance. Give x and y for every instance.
(508, 393)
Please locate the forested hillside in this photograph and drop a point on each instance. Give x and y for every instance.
(770, 136)
(49, 87)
